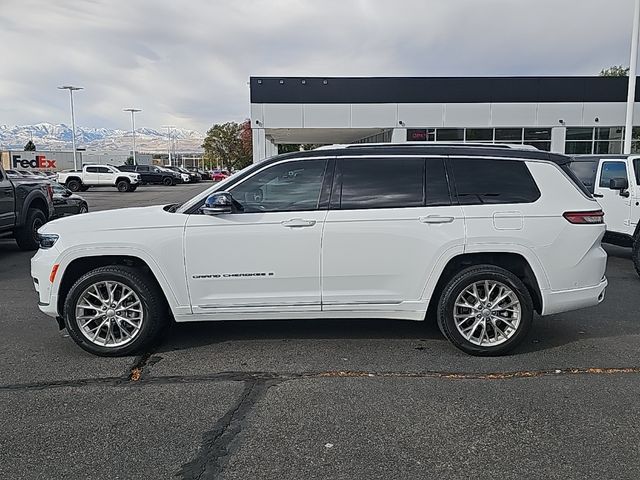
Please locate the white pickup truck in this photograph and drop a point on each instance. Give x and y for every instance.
(99, 175)
(614, 180)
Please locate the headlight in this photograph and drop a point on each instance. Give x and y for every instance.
(47, 240)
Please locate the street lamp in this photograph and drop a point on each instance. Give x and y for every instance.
(631, 91)
(133, 129)
(169, 128)
(73, 121)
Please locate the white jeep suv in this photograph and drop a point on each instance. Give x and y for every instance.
(479, 237)
(614, 180)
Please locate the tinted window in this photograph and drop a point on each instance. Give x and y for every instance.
(288, 186)
(437, 192)
(143, 168)
(92, 170)
(57, 188)
(104, 170)
(612, 170)
(484, 181)
(636, 167)
(586, 172)
(382, 183)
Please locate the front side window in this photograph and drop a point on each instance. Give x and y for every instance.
(611, 170)
(287, 186)
(106, 170)
(482, 181)
(382, 183)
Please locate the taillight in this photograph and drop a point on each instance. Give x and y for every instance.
(591, 217)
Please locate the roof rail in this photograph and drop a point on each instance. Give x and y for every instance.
(428, 144)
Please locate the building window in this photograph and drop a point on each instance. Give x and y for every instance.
(479, 135)
(450, 134)
(598, 140)
(509, 135)
(421, 134)
(538, 137)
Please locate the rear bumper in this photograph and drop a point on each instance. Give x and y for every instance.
(565, 300)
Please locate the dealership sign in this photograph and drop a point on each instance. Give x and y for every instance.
(38, 161)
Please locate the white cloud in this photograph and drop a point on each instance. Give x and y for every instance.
(187, 63)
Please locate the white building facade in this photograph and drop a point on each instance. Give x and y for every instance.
(573, 115)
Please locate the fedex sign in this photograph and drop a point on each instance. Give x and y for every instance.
(39, 161)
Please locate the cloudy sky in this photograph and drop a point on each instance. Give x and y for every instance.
(187, 62)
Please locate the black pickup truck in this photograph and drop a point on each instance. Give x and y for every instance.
(25, 205)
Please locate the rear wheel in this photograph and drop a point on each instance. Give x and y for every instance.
(115, 311)
(27, 235)
(84, 188)
(122, 185)
(74, 185)
(485, 310)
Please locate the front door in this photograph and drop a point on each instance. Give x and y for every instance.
(615, 204)
(7, 205)
(385, 231)
(266, 257)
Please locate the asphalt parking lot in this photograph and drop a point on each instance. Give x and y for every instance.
(340, 399)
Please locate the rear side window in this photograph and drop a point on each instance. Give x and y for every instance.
(636, 167)
(382, 183)
(484, 181)
(92, 170)
(611, 170)
(437, 191)
(586, 172)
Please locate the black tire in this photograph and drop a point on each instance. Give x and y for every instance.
(123, 185)
(635, 253)
(154, 307)
(84, 188)
(27, 235)
(74, 185)
(84, 208)
(133, 188)
(466, 278)
(167, 181)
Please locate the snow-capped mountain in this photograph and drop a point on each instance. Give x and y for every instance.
(48, 136)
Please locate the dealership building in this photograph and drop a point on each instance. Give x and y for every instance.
(573, 115)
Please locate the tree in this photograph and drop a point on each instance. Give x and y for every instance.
(129, 160)
(229, 144)
(30, 146)
(615, 71)
(296, 147)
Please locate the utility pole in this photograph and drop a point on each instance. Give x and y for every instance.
(73, 121)
(631, 92)
(169, 128)
(133, 129)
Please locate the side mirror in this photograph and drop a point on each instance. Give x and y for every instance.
(67, 193)
(620, 184)
(219, 203)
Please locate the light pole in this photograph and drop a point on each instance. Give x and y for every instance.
(631, 92)
(73, 121)
(133, 129)
(169, 128)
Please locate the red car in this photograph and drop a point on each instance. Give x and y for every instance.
(218, 175)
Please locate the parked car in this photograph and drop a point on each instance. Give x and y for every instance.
(482, 237)
(99, 175)
(204, 175)
(615, 182)
(30, 174)
(184, 177)
(25, 205)
(65, 202)
(153, 174)
(193, 177)
(218, 175)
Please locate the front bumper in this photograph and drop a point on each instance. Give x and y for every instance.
(559, 301)
(41, 265)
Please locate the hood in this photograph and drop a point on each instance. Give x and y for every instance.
(120, 219)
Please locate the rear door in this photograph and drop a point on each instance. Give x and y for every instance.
(7, 202)
(616, 205)
(92, 175)
(385, 231)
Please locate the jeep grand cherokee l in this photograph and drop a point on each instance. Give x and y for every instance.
(480, 237)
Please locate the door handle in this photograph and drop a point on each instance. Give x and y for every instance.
(298, 223)
(598, 195)
(436, 219)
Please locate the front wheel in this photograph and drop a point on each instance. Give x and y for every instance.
(635, 253)
(132, 188)
(122, 186)
(167, 181)
(27, 235)
(485, 310)
(115, 311)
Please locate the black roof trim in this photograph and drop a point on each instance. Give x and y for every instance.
(438, 89)
(426, 150)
